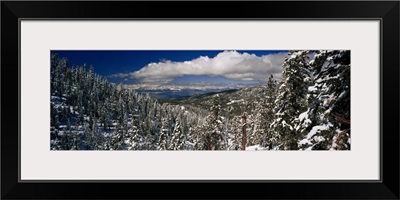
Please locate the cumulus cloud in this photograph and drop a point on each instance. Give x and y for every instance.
(229, 64)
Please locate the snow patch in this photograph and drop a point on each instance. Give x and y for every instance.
(309, 148)
(315, 129)
(312, 88)
(319, 139)
(256, 148)
(235, 101)
(304, 142)
(303, 116)
(286, 124)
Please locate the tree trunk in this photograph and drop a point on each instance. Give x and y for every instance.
(244, 141)
(208, 142)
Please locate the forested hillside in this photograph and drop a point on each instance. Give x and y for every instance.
(308, 109)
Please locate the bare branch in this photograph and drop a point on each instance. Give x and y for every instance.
(341, 119)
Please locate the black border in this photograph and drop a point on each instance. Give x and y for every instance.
(387, 11)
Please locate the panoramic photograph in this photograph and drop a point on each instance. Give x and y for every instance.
(188, 100)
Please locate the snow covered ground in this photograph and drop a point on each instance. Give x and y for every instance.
(256, 148)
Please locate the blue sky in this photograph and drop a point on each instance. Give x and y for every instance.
(179, 67)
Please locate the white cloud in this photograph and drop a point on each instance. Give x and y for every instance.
(119, 75)
(229, 64)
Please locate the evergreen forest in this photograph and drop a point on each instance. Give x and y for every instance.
(308, 108)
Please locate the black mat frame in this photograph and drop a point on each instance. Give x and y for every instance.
(386, 11)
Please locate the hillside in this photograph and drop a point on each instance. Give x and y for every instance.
(233, 102)
(308, 109)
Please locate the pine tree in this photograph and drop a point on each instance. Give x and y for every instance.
(199, 136)
(326, 123)
(117, 140)
(177, 140)
(256, 133)
(53, 116)
(91, 136)
(235, 133)
(215, 133)
(135, 141)
(163, 139)
(291, 100)
(97, 137)
(271, 91)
